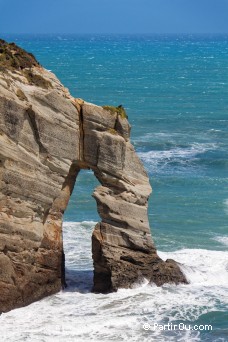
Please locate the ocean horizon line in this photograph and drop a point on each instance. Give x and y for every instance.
(152, 34)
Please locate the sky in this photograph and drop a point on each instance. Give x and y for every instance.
(113, 16)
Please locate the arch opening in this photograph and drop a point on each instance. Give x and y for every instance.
(79, 220)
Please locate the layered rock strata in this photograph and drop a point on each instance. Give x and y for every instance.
(46, 138)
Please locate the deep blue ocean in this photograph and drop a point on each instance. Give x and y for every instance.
(175, 91)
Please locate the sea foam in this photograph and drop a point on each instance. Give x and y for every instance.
(76, 314)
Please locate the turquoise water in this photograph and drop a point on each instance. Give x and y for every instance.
(174, 89)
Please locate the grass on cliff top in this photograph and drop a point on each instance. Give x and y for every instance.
(14, 58)
(119, 110)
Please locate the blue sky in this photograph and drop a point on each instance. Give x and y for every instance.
(114, 16)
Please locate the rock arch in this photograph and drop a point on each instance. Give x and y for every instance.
(46, 137)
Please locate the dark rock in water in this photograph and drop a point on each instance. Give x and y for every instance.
(46, 137)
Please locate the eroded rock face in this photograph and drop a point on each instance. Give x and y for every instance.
(46, 137)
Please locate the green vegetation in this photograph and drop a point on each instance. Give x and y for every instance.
(13, 58)
(119, 110)
(112, 131)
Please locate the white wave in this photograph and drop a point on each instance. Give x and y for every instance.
(77, 244)
(192, 151)
(74, 315)
(181, 156)
(214, 130)
(197, 266)
(226, 206)
(222, 239)
(157, 136)
(73, 224)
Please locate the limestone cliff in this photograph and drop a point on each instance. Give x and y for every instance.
(46, 137)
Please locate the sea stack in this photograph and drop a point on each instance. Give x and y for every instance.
(46, 138)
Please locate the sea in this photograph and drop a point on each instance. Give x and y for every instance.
(175, 91)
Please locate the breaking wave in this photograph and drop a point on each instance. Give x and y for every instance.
(76, 314)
